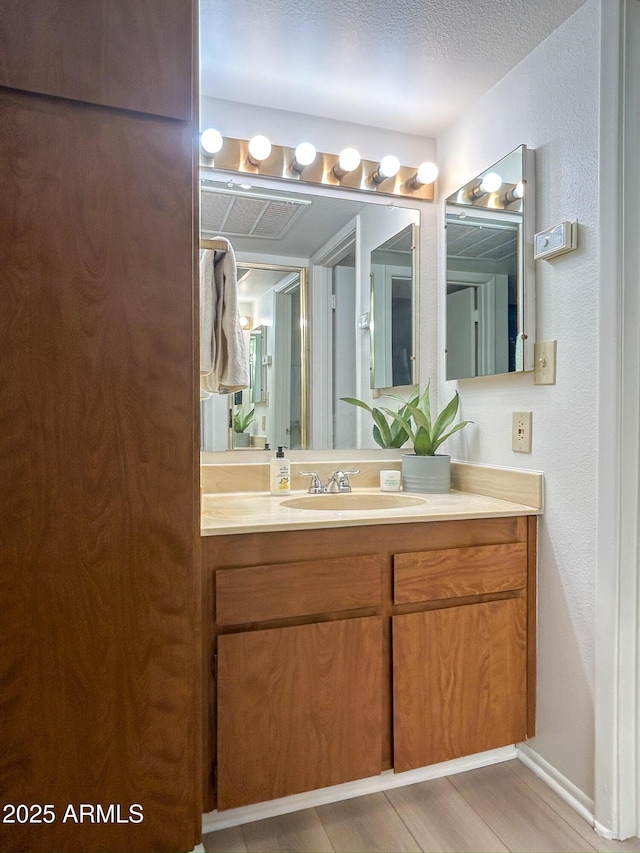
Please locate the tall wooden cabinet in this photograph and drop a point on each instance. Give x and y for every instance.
(99, 527)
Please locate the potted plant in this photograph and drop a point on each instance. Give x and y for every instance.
(242, 419)
(385, 433)
(424, 470)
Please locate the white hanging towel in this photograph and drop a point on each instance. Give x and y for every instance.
(224, 366)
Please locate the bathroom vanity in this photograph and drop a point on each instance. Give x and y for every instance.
(365, 642)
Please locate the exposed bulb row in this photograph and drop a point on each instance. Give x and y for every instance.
(349, 159)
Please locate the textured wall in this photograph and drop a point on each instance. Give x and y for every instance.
(550, 102)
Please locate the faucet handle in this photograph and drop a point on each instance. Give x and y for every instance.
(341, 480)
(315, 484)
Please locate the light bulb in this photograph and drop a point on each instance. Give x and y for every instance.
(491, 182)
(427, 172)
(514, 193)
(211, 141)
(348, 160)
(259, 149)
(389, 166)
(303, 156)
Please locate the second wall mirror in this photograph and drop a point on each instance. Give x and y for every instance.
(490, 277)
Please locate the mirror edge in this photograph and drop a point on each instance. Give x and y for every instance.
(528, 328)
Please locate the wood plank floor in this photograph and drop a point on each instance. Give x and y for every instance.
(497, 808)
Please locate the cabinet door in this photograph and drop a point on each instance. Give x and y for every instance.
(459, 681)
(298, 708)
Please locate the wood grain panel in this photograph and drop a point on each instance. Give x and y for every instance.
(261, 593)
(298, 708)
(459, 681)
(98, 472)
(296, 545)
(119, 53)
(455, 572)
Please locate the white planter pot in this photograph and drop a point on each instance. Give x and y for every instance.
(426, 473)
(241, 439)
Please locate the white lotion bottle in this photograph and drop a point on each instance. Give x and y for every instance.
(280, 474)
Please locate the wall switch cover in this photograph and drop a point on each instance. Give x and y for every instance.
(555, 241)
(544, 361)
(521, 432)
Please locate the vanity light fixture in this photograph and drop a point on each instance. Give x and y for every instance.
(426, 174)
(246, 322)
(348, 161)
(388, 168)
(302, 163)
(259, 149)
(304, 155)
(210, 141)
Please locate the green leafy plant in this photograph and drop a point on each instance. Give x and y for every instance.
(412, 421)
(242, 419)
(425, 433)
(385, 433)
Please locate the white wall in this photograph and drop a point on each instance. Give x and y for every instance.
(242, 121)
(550, 102)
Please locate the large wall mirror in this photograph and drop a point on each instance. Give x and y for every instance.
(327, 285)
(490, 279)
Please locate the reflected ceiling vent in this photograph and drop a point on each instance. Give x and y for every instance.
(244, 214)
(482, 242)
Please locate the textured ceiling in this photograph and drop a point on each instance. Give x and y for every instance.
(407, 65)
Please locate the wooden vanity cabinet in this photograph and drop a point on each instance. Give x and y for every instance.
(299, 705)
(415, 645)
(459, 672)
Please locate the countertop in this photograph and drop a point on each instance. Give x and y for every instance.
(259, 512)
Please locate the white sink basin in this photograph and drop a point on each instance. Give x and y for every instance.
(352, 500)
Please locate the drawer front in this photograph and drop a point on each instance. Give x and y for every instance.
(288, 590)
(456, 572)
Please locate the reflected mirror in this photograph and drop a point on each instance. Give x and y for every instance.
(490, 286)
(392, 316)
(257, 364)
(304, 261)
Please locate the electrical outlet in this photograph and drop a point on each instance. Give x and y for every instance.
(521, 432)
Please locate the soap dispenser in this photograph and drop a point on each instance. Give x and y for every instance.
(280, 474)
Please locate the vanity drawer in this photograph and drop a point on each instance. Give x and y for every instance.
(288, 590)
(456, 572)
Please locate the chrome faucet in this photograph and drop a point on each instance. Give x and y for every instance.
(339, 481)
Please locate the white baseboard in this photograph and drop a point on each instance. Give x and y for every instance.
(559, 784)
(387, 780)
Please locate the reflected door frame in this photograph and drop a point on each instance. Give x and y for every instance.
(321, 359)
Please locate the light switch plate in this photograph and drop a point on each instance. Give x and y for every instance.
(544, 362)
(555, 241)
(521, 432)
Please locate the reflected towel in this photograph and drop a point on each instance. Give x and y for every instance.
(224, 366)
